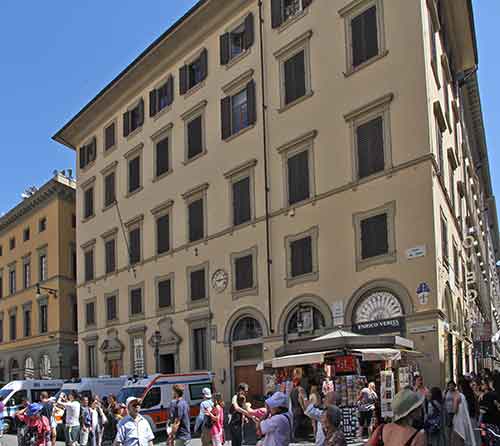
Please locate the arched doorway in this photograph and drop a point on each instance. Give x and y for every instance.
(247, 352)
(45, 367)
(15, 372)
(29, 368)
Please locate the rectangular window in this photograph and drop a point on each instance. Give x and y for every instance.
(439, 147)
(301, 256)
(88, 203)
(452, 187)
(200, 349)
(235, 42)
(111, 311)
(432, 36)
(298, 177)
(134, 174)
(161, 97)
(243, 267)
(364, 36)
(193, 73)
(444, 241)
(134, 238)
(1, 286)
(133, 118)
(12, 243)
(90, 313)
(1, 330)
(374, 236)
(196, 220)
(43, 272)
(136, 301)
(165, 293)
(109, 136)
(295, 77)
(242, 210)
(162, 158)
(26, 234)
(26, 274)
(370, 147)
(88, 153)
(92, 360)
(138, 356)
(89, 265)
(109, 189)
(44, 318)
(198, 284)
(163, 234)
(456, 264)
(195, 137)
(13, 327)
(12, 281)
(27, 323)
(238, 111)
(110, 255)
(42, 225)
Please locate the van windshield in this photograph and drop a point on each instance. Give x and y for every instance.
(127, 392)
(4, 393)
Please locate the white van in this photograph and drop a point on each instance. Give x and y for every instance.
(102, 386)
(14, 392)
(156, 394)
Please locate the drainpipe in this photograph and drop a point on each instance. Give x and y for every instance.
(266, 171)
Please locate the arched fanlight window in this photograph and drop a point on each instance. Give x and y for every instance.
(247, 328)
(45, 367)
(306, 319)
(29, 368)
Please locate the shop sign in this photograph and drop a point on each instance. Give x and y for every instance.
(481, 331)
(379, 327)
(470, 276)
(387, 391)
(345, 364)
(422, 329)
(423, 291)
(416, 252)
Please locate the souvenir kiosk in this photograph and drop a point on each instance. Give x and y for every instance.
(344, 362)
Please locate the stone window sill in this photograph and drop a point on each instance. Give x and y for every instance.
(163, 175)
(109, 150)
(86, 219)
(310, 277)
(352, 70)
(238, 58)
(166, 310)
(108, 207)
(194, 158)
(136, 317)
(134, 133)
(162, 112)
(239, 133)
(131, 194)
(291, 20)
(378, 260)
(244, 293)
(297, 101)
(194, 89)
(197, 303)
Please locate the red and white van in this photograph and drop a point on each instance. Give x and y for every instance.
(156, 394)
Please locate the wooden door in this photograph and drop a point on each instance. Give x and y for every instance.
(115, 368)
(248, 374)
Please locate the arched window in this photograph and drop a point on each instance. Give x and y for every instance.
(45, 367)
(305, 320)
(247, 328)
(377, 306)
(29, 368)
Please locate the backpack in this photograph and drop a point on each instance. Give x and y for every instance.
(432, 423)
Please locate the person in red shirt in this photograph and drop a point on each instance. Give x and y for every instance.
(217, 416)
(36, 423)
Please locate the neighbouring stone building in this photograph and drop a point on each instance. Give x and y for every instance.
(38, 323)
(266, 171)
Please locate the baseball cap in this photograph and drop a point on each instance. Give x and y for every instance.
(132, 399)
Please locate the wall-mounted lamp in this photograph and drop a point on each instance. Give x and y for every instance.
(50, 291)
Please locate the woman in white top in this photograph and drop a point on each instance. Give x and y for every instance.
(462, 433)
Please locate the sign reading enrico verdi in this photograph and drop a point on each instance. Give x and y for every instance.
(392, 325)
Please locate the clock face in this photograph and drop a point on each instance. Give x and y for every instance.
(219, 280)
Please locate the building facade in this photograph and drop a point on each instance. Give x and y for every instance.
(38, 329)
(266, 171)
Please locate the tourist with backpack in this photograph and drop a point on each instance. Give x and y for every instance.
(203, 421)
(217, 416)
(434, 418)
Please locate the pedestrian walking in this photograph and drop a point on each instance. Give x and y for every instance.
(330, 423)
(47, 412)
(113, 415)
(316, 411)
(434, 418)
(407, 408)
(101, 420)
(277, 428)
(298, 408)
(366, 405)
(217, 416)
(180, 434)
(420, 386)
(204, 422)
(237, 418)
(134, 429)
(462, 433)
(71, 407)
(315, 400)
(489, 404)
(450, 396)
(85, 422)
(37, 432)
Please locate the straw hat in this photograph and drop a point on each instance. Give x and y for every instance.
(405, 402)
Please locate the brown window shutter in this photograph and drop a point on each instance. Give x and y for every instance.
(83, 157)
(126, 124)
(224, 49)
(183, 79)
(141, 112)
(251, 103)
(204, 64)
(163, 234)
(374, 238)
(249, 31)
(153, 107)
(242, 211)
(276, 13)
(92, 150)
(170, 90)
(225, 106)
(298, 177)
(370, 142)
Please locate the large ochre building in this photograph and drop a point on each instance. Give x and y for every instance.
(266, 171)
(38, 324)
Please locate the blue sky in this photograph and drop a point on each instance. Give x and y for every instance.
(58, 54)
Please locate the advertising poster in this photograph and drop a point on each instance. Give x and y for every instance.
(387, 392)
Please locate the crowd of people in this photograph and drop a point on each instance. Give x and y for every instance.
(421, 417)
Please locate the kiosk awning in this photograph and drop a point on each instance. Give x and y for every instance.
(296, 360)
(380, 354)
